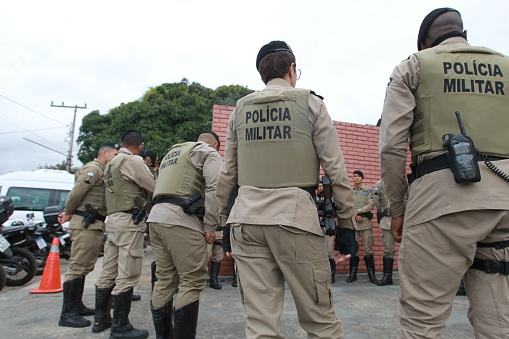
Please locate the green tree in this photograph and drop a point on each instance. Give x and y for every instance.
(166, 114)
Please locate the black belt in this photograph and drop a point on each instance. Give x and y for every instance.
(131, 211)
(439, 163)
(99, 217)
(491, 266)
(170, 200)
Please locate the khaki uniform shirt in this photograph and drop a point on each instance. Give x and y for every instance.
(379, 198)
(208, 162)
(290, 206)
(92, 171)
(133, 169)
(434, 194)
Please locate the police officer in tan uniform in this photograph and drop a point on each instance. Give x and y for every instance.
(179, 235)
(129, 184)
(86, 241)
(215, 254)
(384, 221)
(276, 140)
(449, 230)
(363, 227)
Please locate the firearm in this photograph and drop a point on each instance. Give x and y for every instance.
(140, 211)
(328, 209)
(90, 215)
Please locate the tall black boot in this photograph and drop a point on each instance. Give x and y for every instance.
(82, 309)
(121, 328)
(102, 317)
(214, 272)
(369, 260)
(354, 266)
(162, 318)
(332, 271)
(186, 320)
(387, 278)
(234, 281)
(70, 316)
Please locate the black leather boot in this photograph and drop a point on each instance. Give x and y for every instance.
(162, 318)
(387, 278)
(82, 309)
(214, 272)
(186, 320)
(121, 328)
(461, 289)
(234, 281)
(369, 260)
(70, 316)
(332, 271)
(354, 266)
(102, 317)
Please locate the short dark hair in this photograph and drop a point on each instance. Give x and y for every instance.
(275, 65)
(132, 138)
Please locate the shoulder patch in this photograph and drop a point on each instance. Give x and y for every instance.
(90, 174)
(316, 95)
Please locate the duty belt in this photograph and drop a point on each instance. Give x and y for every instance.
(97, 217)
(491, 266)
(170, 200)
(438, 163)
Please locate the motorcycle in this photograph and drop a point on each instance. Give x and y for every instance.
(18, 263)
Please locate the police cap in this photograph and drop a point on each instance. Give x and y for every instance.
(271, 47)
(213, 134)
(359, 173)
(110, 145)
(428, 21)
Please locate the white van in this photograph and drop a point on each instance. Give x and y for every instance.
(32, 191)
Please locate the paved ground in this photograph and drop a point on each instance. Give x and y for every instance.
(367, 311)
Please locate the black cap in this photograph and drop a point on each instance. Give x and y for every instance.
(428, 21)
(359, 173)
(271, 47)
(213, 134)
(129, 132)
(110, 145)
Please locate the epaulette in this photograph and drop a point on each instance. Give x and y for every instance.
(312, 92)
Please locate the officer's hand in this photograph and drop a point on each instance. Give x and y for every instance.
(62, 218)
(227, 246)
(397, 228)
(345, 242)
(358, 218)
(210, 237)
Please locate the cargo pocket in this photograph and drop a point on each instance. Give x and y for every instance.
(323, 296)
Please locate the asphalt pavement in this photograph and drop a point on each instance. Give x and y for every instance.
(367, 311)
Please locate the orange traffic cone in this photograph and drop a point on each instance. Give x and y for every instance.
(50, 282)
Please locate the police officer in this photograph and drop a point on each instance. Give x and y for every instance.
(384, 221)
(215, 254)
(276, 140)
(363, 228)
(179, 235)
(448, 230)
(87, 237)
(129, 184)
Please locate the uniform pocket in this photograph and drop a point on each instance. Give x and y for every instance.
(323, 296)
(136, 253)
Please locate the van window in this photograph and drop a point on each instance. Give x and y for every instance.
(36, 199)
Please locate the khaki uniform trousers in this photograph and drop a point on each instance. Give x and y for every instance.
(265, 257)
(122, 261)
(181, 257)
(433, 258)
(367, 239)
(85, 248)
(389, 243)
(215, 250)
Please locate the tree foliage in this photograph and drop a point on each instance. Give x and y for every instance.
(167, 114)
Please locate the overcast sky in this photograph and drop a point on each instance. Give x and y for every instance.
(104, 53)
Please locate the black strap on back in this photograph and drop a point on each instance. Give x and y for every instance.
(97, 217)
(170, 200)
(498, 245)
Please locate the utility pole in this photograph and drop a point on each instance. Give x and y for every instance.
(71, 133)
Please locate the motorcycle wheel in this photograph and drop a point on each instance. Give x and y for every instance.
(3, 278)
(24, 268)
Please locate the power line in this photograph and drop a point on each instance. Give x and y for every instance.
(31, 130)
(17, 103)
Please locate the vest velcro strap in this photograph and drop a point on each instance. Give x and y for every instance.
(491, 266)
(498, 245)
(439, 163)
(97, 217)
(170, 200)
